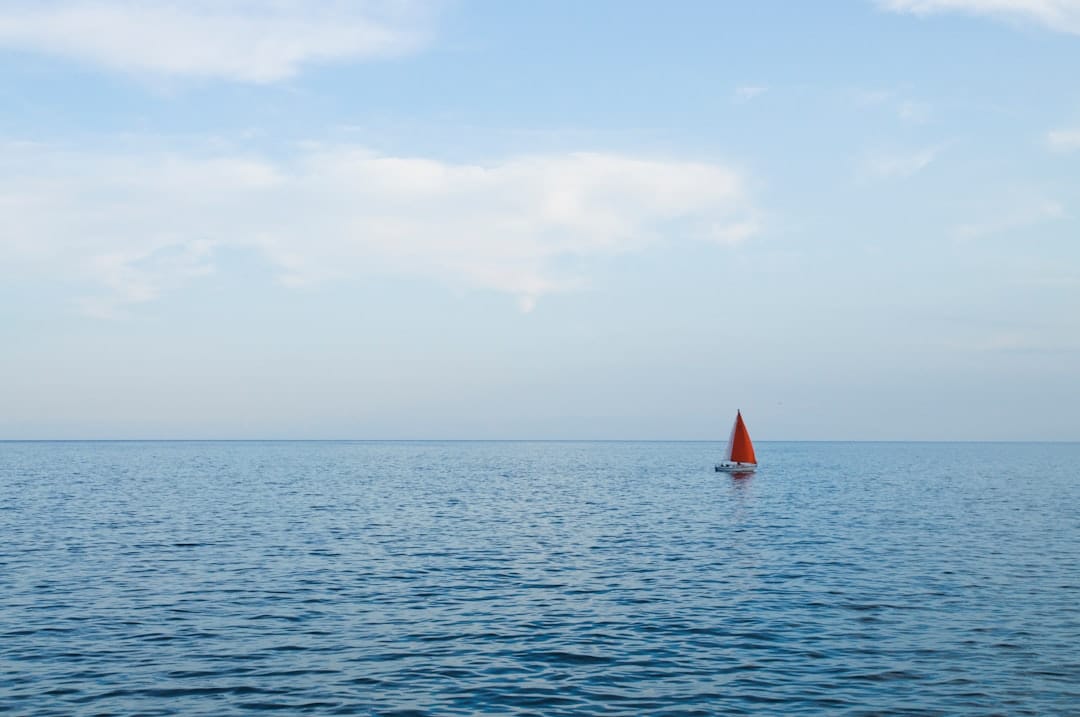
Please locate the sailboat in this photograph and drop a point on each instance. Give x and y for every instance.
(740, 451)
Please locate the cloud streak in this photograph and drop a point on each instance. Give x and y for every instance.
(1058, 15)
(140, 224)
(1064, 140)
(899, 165)
(747, 93)
(242, 40)
(1021, 215)
(908, 110)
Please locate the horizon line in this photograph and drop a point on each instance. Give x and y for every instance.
(519, 440)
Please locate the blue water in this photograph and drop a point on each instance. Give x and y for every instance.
(538, 579)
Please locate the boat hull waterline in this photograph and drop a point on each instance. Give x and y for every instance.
(735, 467)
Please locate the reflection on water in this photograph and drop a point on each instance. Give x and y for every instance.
(537, 578)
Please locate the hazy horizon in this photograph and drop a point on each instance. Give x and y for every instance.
(474, 220)
(491, 440)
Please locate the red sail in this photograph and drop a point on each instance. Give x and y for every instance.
(742, 450)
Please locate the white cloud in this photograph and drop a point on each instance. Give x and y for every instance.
(139, 225)
(749, 92)
(915, 112)
(874, 97)
(1020, 215)
(138, 276)
(246, 40)
(908, 110)
(1064, 140)
(1059, 15)
(888, 165)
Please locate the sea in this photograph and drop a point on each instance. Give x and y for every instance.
(538, 578)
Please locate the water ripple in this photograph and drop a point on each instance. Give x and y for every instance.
(537, 579)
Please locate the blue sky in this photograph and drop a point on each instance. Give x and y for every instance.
(333, 219)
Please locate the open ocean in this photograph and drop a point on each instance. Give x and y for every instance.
(538, 578)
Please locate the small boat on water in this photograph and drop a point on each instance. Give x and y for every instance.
(740, 451)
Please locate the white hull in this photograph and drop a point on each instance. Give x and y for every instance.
(729, 467)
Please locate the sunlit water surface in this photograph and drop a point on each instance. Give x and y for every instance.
(538, 578)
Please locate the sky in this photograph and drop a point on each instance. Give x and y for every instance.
(477, 219)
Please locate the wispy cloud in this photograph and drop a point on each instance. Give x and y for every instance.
(1020, 215)
(141, 275)
(908, 110)
(1058, 15)
(1064, 140)
(888, 165)
(243, 40)
(140, 224)
(749, 92)
(917, 112)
